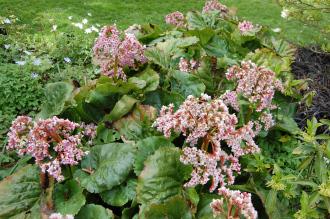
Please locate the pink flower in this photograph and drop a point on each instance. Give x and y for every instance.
(240, 201)
(257, 84)
(113, 54)
(51, 142)
(215, 5)
(267, 120)
(245, 27)
(60, 216)
(176, 18)
(188, 66)
(230, 98)
(209, 121)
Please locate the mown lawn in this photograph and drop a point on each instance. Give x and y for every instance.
(39, 15)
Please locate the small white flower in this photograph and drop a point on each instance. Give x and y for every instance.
(27, 52)
(88, 30)
(67, 59)
(276, 30)
(20, 63)
(93, 28)
(7, 46)
(37, 62)
(84, 21)
(70, 17)
(7, 21)
(34, 75)
(79, 25)
(89, 14)
(98, 25)
(54, 27)
(285, 13)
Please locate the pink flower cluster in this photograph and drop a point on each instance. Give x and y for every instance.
(240, 201)
(245, 27)
(113, 54)
(257, 84)
(52, 142)
(188, 66)
(60, 216)
(176, 18)
(215, 5)
(219, 167)
(210, 120)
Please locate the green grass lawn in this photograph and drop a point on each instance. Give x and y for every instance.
(39, 15)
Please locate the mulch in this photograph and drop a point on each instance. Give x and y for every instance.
(315, 66)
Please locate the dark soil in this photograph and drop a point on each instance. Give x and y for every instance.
(316, 67)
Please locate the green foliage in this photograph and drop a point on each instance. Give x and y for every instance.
(20, 94)
(162, 176)
(21, 192)
(69, 198)
(92, 211)
(109, 165)
(133, 171)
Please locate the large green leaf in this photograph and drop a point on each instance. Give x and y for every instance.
(174, 208)
(57, 94)
(187, 84)
(122, 107)
(120, 195)
(151, 78)
(159, 98)
(199, 21)
(105, 135)
(68, 197)
(110, 165)
(137, 124)
(165, 52)
(19, 192)
(147, 147)
(92, 211)
(162, 176)
(216, 47)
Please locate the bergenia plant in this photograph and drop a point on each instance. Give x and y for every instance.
(113, 53)
(51, 142)
(211, 129)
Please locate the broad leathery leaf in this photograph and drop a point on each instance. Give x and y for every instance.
(174, 208)
(122, 107)
(197, 20)
(105, 135)
(110, 165)
(19, 192)
(68, 197)
(204, 35)
(267, 57)
(159, 57)
(173, 45)
(217, 47)
(150, 32)
(147, 147)
(162, 177)
(151, 79)
(120, 195)
(187, 84)
(159, 98)
(137, 124)
(92, 211)
(57, 94)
